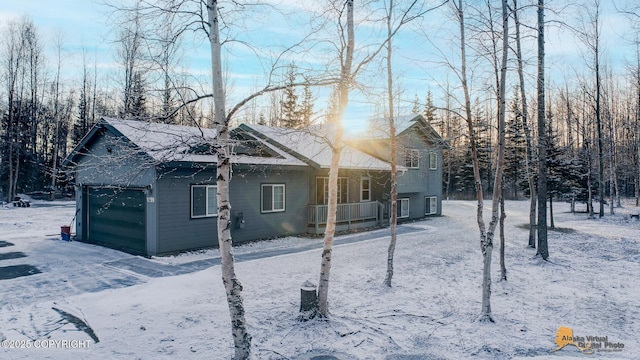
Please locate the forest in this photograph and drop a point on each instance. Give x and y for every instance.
(593, 116)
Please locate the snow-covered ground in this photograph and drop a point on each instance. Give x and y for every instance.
(591, 284)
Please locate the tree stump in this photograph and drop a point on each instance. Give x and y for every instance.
(308, 301)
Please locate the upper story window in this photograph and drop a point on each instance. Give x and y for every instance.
(433, 160)
(204, 201)
(412, 158)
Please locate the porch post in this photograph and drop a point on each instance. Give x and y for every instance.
(317, 220)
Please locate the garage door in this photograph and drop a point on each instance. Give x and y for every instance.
(117, 218)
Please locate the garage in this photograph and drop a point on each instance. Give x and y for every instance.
(117, 218)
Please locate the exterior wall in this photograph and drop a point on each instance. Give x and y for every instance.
(416, 184)
(380, 185)
(123, 167)
(111, 162)
(178, 231)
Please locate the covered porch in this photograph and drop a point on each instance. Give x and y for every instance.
(348, 217)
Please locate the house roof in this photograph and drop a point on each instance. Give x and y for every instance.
(175, 143)
(312, 144)
(379, 127)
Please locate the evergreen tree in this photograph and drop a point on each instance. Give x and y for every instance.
(515, 150)
(306, 108)
(138, 99)
(291, 114)
(416, 106)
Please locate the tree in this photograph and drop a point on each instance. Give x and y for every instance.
(342, 96)
(233, 288)
(527, 131)
(486, 235)
(515, 148)
(543, 249)
(291, 116)
(393, 221)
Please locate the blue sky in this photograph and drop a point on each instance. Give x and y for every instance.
(418, 61)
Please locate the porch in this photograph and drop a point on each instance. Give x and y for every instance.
(348, 216)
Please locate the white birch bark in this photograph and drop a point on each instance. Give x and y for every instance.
(393, 144)
(233, 288)
(343, 99)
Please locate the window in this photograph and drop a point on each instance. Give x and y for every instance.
(403, 208)
(365, 189)
(204, 201)
(433, 160)
(412, 158)
(430, 205)
(272, 198)
(322, 190)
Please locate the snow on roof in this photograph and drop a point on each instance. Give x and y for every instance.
(313, 143)
(167, 142)
(379, 127)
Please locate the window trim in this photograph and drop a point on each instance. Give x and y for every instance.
(413, 156)
(273, 202)
(206, 205)
(433, 160)
(429, 210)
(400, 201)
(362, 180)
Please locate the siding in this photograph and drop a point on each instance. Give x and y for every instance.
(380, 185)
(416, 184)
(121, 166)
(178, 231)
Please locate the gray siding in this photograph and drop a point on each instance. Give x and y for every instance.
(121, 166)
(416, 184)
(178, 231)
(380, 185)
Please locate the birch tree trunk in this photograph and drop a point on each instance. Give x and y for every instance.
(343, 99)
(487, 245)
(393, 143)
(525, 116)
(543, 249)
(233, 288)
(486, 238)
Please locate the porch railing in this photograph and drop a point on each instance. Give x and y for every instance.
(346, 213)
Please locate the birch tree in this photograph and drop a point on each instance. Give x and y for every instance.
(393, 155)
(486, 235)
(343, 87)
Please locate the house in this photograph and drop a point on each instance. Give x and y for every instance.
(419, 151)
(149, 188)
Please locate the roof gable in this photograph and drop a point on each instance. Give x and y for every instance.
(164, 143)
(312, 145)
(379, 128)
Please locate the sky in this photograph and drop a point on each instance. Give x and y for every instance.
(418, 60)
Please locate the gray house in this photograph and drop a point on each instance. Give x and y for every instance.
(419, 155)
(150, 188)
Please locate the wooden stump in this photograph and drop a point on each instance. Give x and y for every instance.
(308, 301)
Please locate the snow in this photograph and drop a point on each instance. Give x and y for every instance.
(313, 143)
(167, 142)
(590, 284)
